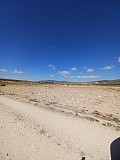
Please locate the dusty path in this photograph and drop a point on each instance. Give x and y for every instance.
(29, 132)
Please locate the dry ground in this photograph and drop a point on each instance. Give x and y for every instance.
(58, 122)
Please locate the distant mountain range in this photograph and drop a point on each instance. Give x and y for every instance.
(55, 81)
(52, 81)
(109, 80)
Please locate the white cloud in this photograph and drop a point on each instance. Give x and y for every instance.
(64, 73)
(3, 70)
(107, 67)
(90, 70)
(51, 75)
(74, 69)
(51, 66)
(81, 73)
(71, 76)
(16, 71)
(87, 76)
(118, 59)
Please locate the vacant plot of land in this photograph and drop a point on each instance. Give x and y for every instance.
(58, 122)
(98, 102)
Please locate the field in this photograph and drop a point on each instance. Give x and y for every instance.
(56, 121)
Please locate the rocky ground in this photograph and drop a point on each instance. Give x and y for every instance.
(58, 121)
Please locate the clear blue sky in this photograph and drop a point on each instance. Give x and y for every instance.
(75, 40)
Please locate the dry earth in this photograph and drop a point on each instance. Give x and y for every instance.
(55, 122)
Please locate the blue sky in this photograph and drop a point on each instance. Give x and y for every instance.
(72, 40)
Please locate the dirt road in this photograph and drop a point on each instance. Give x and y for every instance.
(30, 132)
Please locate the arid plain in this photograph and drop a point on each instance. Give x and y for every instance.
(58, 122)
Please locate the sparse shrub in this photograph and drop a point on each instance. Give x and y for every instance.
(2, 84)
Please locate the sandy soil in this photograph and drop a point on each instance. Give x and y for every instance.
(57, 122)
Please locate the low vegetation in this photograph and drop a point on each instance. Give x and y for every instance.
(4, 82)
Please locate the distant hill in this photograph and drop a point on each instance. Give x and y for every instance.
(53, 81)
(116, 80)
(101, 82)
